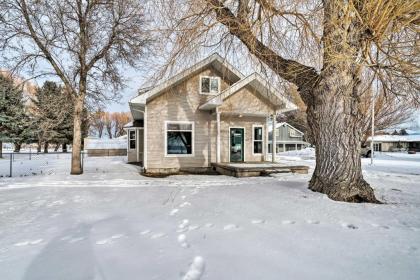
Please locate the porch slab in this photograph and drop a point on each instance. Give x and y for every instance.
(254, 169)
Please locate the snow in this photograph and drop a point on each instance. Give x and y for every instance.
(112, 223)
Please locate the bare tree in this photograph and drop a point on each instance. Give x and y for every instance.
(108, 123)
(120, 119)
(97, 120)
(83, 41)
(322, 47)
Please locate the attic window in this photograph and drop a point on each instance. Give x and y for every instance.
(209, 85)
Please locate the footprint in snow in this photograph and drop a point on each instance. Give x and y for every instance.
(288, 222)
(173, 212)
(28, 242)
(186, 203)
(230, 227)
(103, 241)
(23, 243)
(193, 227)
(158, 235)
(208, 225)
(144, 232)
(182, 240)
(183, 224)
(350, 226)
(257, 221)
(117, 236)
(76, 239)
(196, 269)
(312, 222)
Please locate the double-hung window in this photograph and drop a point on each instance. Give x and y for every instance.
(257, 139)
(131, 139)
(179, 138)
(209, 85)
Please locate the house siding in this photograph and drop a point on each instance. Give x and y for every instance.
(246, 101)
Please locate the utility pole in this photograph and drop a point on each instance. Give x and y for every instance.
(373, 123)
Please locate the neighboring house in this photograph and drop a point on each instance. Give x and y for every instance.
(99, 147)
(208, 113)
(288, 138)
(395, 143)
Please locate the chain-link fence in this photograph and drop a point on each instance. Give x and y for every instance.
(31, 164)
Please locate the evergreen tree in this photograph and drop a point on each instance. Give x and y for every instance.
(54, 115)
(15, 123)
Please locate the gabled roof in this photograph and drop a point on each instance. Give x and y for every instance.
(218, 62)
(285, 123)
(261, 85)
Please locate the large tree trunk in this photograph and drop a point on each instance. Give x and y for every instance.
(64, 150)
(335, 122)
(76, 164)
(46, 145)
(1, 149)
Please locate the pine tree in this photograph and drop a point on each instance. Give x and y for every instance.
(54, 115)
(15, 123)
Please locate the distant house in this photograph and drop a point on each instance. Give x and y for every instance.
(288, 138)
(395, 143)
(208, 113)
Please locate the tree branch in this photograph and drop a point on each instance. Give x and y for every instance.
(301, 75)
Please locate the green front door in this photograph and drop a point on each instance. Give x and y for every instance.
(236, 144)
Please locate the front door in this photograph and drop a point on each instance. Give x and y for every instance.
(236, 144)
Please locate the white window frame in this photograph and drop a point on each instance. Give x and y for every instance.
(293, 133)
(135, 139)
(253, 138)
(192, 138)
(210, 78)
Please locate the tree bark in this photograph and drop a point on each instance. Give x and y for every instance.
(335, 122)
(64, 148)
(76, 164)
(57, 146)
(1, 149)
(46, 144)
(17, 147)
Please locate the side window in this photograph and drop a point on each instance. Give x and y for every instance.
(258, 139)
(209, 85)
(132, 139)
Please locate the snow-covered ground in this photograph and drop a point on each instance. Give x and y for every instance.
(111, 223)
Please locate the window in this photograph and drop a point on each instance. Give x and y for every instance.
(377, 147)
(179, 138)
(293, 133)
(209, 85)
(258, 139)
(132, 139)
